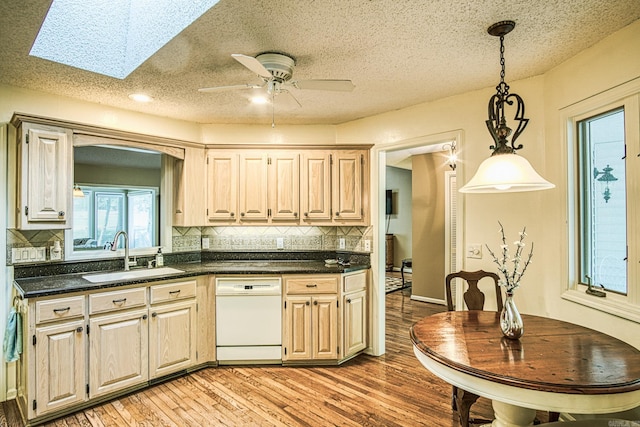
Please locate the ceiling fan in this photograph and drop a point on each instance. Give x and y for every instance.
(276, 70)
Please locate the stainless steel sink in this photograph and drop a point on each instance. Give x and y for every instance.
(131, 274)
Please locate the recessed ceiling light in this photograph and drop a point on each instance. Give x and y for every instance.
(140, 97)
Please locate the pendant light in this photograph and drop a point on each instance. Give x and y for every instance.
(505, 171)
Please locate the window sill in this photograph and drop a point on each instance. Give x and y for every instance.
(615, 308)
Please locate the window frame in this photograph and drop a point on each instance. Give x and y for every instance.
(627, 96)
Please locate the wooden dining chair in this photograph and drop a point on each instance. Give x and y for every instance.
(461, 400)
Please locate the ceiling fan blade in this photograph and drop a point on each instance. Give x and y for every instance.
(253, 64)
(225, 88)
(335, 85)
(292, 97)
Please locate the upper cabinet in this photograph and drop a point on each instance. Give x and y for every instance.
(188, 188)
(307, 187)
(253, 187)
(44, 178)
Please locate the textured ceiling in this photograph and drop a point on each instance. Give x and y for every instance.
(397, 53)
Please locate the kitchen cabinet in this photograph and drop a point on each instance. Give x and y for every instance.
(58, 360)
(222, 185)
(355, 313)
(189, 188)
(118, 340)
(315, 186)
(44, 176)
(206, 319)
(172, 327)
(252, 187)
(311, 323)
(334, 187)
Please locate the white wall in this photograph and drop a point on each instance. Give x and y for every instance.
(399, 223)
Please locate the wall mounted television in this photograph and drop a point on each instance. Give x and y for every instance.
(389, 202)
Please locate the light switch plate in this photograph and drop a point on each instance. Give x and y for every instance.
(279, 242)
(341, 243)
(205, 243)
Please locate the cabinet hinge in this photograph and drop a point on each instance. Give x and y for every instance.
(361, 160)
(35, 404)
(285, 306)
(338, 350)
(285, 351)
(207, 160)
(26, 210)
(87, 388)
(196, 355)
(330, 159)
(207, 212)
(269, 212)
(196, 307)
(338, 304)
(268, 160)
(27, 141)
(33, 340)
(87, 329)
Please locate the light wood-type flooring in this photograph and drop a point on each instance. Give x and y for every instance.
(391, 390)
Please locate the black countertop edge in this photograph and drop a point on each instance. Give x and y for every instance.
(34, 287)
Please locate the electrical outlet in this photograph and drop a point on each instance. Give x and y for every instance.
(474, 250)
(55, 253)
(341, 243)
(205, 243)
(279, 242)
(367, 245)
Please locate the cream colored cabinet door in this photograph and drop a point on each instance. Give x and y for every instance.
(172, 338)
(284, 186)
(324, 322)
(118, 351)
(347, 176)
(189, 188)
(60, 366)
(253, 186)
(315, 186)
(222, 186)
(46, 177)
(297, 325)
(355, 325)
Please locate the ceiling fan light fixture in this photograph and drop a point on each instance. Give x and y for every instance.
(259, 100)
(505, 171)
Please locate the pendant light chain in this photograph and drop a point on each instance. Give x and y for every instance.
(502, 88)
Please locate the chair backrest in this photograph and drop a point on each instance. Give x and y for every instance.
(473, 297)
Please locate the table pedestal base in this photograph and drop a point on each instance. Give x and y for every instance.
(511, 416)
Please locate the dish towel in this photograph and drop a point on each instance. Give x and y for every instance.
(12, 345)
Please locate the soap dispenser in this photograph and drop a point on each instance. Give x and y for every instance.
(159, 258)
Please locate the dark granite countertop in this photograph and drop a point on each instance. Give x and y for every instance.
(33, 287)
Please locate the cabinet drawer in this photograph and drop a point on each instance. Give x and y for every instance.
(117, 300)
(312, 285)
(355, 282)
(173, 291)
(59, 308)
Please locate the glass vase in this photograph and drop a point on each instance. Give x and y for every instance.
(510, 319)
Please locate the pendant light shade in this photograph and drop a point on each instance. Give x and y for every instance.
(505, 173)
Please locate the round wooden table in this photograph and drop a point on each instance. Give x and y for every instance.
(555, 366)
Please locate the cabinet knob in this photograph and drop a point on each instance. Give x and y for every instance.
(348, 300)
(232, 214)
(306, 214)
(337, 213)
(241, 213)
(295, 214)
(144, 317)
(315, 303)
(154, 314)
(79, 329)
(306, 303)
(61, 213)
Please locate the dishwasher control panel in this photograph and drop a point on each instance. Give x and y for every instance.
(248, 286)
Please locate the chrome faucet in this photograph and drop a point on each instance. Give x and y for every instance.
(114, 245)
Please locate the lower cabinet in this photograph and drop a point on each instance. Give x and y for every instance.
(60, 368)
(86, 347)
(324, 317)
(118, 351)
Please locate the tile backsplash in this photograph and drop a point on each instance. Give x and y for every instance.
(236, 238)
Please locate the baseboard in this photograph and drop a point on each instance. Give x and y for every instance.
(429, 300)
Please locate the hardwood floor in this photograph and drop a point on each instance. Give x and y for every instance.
(391, 390)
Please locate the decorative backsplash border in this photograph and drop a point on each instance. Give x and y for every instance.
(236, 238)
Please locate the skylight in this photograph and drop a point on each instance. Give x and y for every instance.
(112, 37)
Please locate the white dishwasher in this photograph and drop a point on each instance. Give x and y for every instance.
(248, 320)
